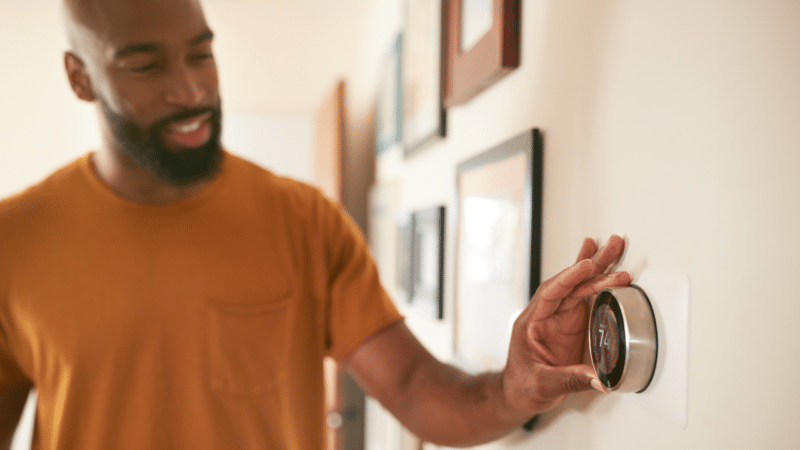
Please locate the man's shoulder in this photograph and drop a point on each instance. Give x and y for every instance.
(57, 185)
(296, 201)
(251, 175)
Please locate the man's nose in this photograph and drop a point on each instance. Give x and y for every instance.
(185, 87)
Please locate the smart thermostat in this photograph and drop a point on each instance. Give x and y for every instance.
(622, 339)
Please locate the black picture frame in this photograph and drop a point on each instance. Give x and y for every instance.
(498, 217)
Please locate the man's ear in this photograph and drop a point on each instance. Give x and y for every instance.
(78, 77)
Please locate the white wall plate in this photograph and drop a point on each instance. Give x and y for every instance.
(668, 393)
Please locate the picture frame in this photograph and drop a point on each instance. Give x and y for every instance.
(424, 37)
(498, 247)
(478, 53)
(427, 264)
(389, 108)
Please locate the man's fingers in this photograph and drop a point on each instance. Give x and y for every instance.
(588, 249)
(552, 292)
(559, 381)
(563, 283)
(572, 281)
(608, 254)
(593, 286)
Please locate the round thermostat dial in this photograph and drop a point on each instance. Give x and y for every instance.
(622, 339)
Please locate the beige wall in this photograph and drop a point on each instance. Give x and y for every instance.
(677, 124)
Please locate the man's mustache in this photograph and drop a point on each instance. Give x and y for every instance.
(185, 114)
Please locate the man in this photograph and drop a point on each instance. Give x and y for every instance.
(162, 293)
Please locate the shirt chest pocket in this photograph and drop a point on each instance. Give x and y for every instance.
(248, 344)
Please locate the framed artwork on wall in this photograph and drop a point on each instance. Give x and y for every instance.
(427, 265)
(389, 111)
(483, 40)
(498, 246)
(424, 116)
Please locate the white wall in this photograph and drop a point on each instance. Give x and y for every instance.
(677, 124)
(42, 125)
(281, 143)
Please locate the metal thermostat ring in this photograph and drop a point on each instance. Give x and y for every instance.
(623, 342)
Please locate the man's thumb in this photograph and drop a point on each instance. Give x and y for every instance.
(571, 379)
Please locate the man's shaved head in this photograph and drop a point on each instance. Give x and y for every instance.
(87, 20)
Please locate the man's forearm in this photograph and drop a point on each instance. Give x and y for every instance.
(452, 408)
(438, 402)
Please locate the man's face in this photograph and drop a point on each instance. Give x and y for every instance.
(153, 73)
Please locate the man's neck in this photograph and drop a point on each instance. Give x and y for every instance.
(131, 181)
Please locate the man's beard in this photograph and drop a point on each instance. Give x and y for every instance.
(144, 146)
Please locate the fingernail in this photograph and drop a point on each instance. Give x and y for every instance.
(598, 386)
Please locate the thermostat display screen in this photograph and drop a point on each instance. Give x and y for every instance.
(607, 338)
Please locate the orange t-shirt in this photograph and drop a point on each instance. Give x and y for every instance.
(199, 325)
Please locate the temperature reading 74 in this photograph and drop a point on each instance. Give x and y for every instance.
(603, 337)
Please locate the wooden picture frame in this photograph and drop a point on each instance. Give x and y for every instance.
(389, 113)
(494, 54)
(498, 246)
(424, 115)
(427, 264)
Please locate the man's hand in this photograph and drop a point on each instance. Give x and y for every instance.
(544, 362)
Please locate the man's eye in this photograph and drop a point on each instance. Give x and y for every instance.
(201, 57)
(144, 68)
(141, 64)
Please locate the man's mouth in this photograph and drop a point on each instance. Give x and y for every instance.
(193, 132)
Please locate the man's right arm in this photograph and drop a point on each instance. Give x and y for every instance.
(12, 401)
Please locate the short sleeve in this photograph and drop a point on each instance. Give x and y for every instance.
(359, 305)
